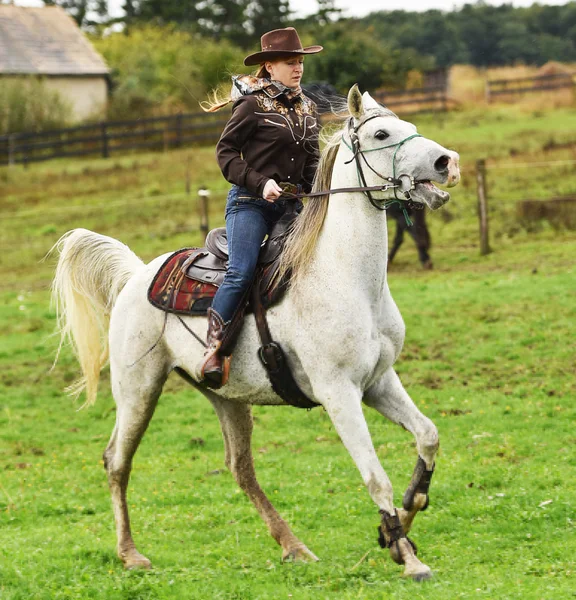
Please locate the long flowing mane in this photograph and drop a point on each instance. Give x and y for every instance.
(301, 240)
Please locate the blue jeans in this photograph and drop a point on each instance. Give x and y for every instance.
(249, 218)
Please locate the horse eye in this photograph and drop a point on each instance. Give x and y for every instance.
(381, 135)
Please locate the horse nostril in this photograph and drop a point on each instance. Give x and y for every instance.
(442, 163)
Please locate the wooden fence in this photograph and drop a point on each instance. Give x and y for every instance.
(113, 137)
(409, 102)
(162, 133)
(509, 89)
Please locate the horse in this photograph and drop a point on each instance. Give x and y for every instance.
(337, 323)
(417, 229)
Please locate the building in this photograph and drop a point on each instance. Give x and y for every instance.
(46, 42)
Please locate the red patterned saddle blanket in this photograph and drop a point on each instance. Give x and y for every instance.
(174, 290)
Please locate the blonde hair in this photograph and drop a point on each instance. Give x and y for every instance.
(302, 238)
(217, 99)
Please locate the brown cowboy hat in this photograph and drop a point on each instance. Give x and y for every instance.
(279, 42)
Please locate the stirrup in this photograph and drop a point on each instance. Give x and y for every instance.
(218, 377)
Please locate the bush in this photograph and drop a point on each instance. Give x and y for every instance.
(163, 69)
(27, 104)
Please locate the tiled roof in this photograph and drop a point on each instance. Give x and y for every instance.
(45, 41)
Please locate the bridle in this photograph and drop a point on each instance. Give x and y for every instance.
(394, 182)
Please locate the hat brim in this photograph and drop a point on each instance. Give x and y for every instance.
(259, 57)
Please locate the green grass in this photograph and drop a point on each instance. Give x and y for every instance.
(489, 356)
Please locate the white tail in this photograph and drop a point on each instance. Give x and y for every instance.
(91, 272)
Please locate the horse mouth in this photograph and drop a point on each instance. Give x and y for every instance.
(427, 193)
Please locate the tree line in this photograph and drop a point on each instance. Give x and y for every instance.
(478, 33)
(167, 55)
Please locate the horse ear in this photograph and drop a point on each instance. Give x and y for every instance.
(369, 102)
(355, 102)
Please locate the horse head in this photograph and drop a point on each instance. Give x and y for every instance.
(385, 147)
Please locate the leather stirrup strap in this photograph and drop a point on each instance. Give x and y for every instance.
(272, 357)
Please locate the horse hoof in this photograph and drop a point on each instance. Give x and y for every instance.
(299, 554)
(421, 576)
(135, 560)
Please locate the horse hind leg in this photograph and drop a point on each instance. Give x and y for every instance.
(389, 398)
(236, 423)
(135, 406)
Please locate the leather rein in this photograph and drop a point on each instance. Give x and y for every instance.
(393, 182)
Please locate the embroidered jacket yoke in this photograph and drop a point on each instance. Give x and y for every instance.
(270, 137)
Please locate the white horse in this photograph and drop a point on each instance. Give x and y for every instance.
(338, 325)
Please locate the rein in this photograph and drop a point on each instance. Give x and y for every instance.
(394, 182)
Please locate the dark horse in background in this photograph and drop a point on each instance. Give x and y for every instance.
(418, 230)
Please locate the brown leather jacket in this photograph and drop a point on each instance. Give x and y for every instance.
(270, 137)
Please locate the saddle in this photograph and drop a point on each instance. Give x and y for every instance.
(189, 278)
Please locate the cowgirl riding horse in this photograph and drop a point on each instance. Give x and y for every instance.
(271, 138)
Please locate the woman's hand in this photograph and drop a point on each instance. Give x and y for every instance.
(272, 191)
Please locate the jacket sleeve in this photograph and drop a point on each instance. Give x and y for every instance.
(313, 158)
(238, 130)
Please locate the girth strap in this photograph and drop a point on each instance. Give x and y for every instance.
(273, 358)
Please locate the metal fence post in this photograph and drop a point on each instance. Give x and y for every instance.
(482, 207)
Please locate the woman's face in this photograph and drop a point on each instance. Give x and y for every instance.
(288, 70)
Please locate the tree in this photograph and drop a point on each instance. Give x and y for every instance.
(84, 12)
(353, 54)
(327, 12)
(265, 15)
(239, 21)
(162, 69)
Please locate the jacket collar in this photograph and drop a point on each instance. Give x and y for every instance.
(244, 85)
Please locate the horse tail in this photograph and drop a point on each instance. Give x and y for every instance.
(92, 270)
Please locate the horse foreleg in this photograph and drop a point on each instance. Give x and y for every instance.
(136, 402)
(236, 423)
(343, 405)
(389, 398)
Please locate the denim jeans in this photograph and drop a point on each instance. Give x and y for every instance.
(249, 218)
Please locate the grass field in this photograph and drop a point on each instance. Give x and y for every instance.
(489, 356)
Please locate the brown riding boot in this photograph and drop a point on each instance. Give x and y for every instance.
(215, 368)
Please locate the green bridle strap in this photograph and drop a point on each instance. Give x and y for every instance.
(414, 135)
(397, 145)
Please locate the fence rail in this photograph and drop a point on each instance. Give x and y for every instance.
(538, 83)
(162, 133)
(108, 138)
(416, 100)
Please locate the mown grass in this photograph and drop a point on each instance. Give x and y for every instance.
(489, 356)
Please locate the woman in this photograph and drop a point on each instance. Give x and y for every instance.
(271, 138)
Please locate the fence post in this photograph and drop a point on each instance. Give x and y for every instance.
(11, 151)
(104, 135)
(203, 195)
(178, 130)
(188, 178)
(482, 207)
